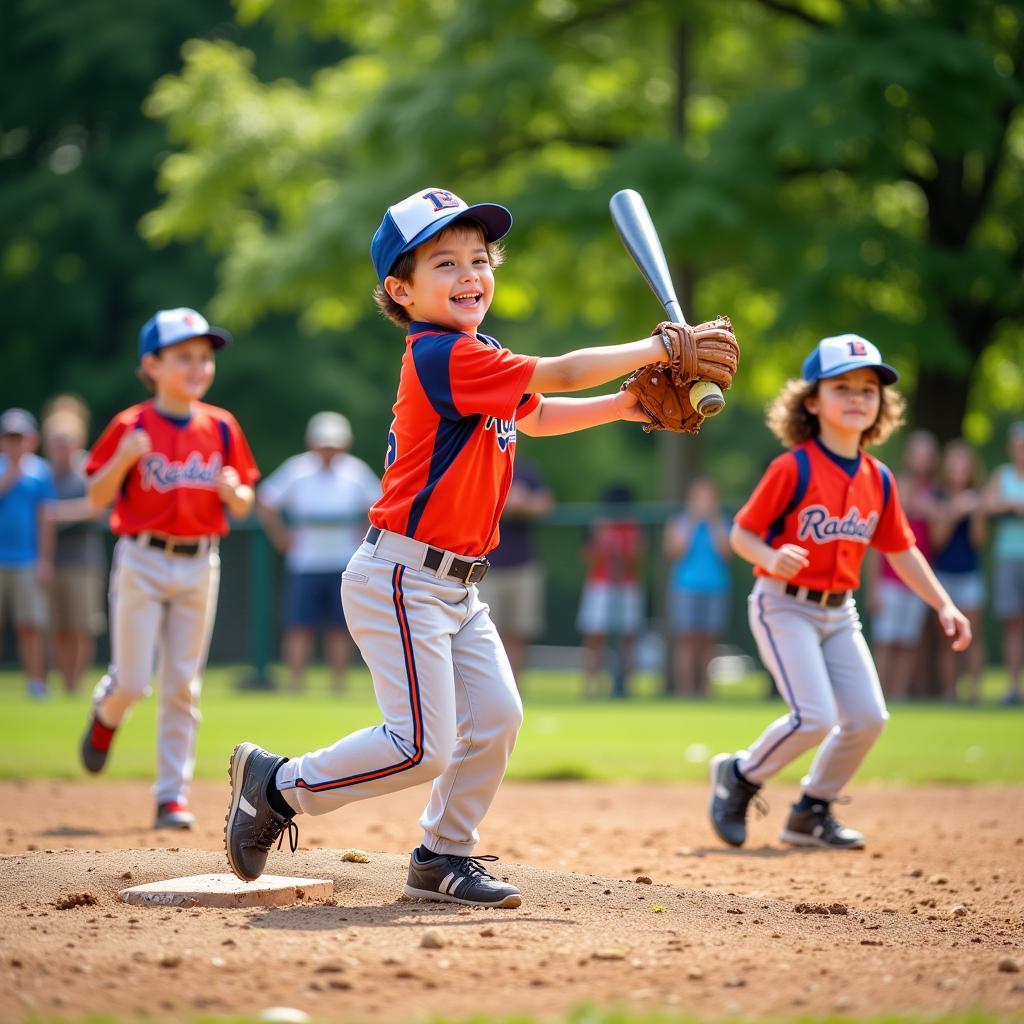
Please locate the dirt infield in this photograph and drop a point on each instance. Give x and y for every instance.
(930, 917)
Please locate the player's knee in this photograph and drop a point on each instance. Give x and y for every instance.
(816, 725)
(434, 761)
(507, 715)
(869, 726)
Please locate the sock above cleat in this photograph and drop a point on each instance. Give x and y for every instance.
(276, 799)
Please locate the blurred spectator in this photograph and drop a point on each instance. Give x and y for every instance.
(612, 602)
(76, 538)
(697, 542)
(958, 531)
(1004, 500)
(26, 564)
(514, 585)
(897, 613)
(303, 505)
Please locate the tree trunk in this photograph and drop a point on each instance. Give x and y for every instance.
(939, 403)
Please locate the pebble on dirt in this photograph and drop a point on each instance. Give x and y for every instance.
(432, 939)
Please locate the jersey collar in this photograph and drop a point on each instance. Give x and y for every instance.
(848, 466)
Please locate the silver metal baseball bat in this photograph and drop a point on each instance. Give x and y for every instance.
(640, 237)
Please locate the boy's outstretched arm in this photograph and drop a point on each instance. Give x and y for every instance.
(916, 573)
(591, 367)
(567, 415)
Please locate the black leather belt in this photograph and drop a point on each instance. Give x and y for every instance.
(189, 548)
(824, 598)
(465, 570)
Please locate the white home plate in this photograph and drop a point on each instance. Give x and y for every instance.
(228, 891)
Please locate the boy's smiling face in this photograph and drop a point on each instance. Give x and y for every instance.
(183, 372)
(452, 282)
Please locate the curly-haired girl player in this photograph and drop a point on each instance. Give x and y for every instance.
(806, 529)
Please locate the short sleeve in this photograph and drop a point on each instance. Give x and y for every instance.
(273, 492)
(893, 532)
(771, 496)
(527, 404)
(239, 455)
(106, 445)
(487, 380)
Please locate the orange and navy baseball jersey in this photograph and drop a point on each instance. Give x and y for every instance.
(453, 437)
(833, 507)
(173, 488)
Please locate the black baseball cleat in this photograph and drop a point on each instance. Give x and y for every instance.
(252, 825)
(819, 828)
(458, 880)
(730, 798)
(95, 748)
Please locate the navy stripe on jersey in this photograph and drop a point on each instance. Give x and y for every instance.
(431, 355)
(225, 439)
(886, 484)
(803, 478)
(451, 437)
(415, 708)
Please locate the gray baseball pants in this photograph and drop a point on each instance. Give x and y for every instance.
(823, 669)
(162, 608)
(444, 685)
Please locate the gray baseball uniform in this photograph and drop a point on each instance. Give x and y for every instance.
(444, 685)
(824, 672)
(163, 603)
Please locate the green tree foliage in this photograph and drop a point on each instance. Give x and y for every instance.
(820, 167)
(78, 160)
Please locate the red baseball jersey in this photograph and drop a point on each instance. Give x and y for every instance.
(453, 439)
(615, 550)
(173, 488)
(833, 507)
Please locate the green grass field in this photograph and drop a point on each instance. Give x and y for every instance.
(565, 737)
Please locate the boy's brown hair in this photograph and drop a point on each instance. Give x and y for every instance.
(789, 420)
(140, 371)
(406, 263)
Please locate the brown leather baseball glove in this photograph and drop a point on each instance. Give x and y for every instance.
(708, 351)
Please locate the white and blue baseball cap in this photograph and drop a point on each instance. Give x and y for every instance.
(845, 352)
(412, 221)
(169, 326)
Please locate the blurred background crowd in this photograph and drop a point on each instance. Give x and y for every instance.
(813, 166)
(669, 576)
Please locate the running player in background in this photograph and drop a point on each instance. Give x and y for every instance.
(172, 467)
(806, 529)
(443, 682)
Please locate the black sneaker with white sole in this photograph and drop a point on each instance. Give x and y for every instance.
(458, 880)
(730, 798)
(819, 828)
(252, 825)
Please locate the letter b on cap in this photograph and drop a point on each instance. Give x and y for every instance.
(442, 200)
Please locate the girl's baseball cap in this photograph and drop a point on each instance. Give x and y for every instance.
(845, 352)
(412, 221)
(169, 326)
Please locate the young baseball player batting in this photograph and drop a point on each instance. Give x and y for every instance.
(442, 679)
(806, 529)
(172, 466)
